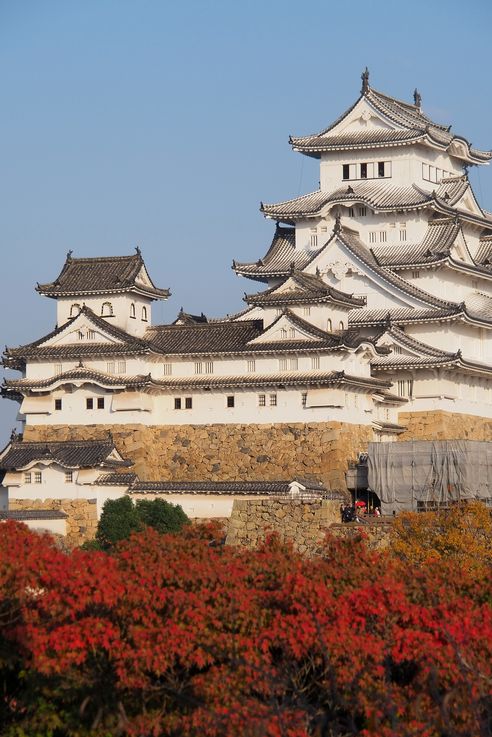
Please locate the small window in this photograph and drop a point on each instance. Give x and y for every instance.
(58, 404)
(209, 367)
(416, 274)
(307, 311)
(292, 333)
(188, 402)
(278, 311)
(329, 327)
(341, 325)
(91, 334)
(89, 403)
(251, 365)
(363, 171)
(304, 399)
(294, 364)
(110, 367)
(315, 362)
(38, 477)
(57, 369)
(177, 402)
(107, 309)
(403, 235)
(198, 367)
(80, 335)
(273, 400)
(122, 367)
(346, 171)
(68, 477)
(351, 212)
(283, 333)
(27, 477)
(313, 241)
(100, 402)
(133, 311)
(74, 310)
(261, 400)
(230, 401)
(282, 364)
(362, 212)
(144, 314)
(372, 237)
(167, 369)
(380, 168)
(382, 236)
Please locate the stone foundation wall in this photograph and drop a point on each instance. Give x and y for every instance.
(81, 515)
(440, 425)
(377, 533)
(302, 522)
(228, 452)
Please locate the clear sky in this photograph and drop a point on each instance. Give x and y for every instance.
(163, 124)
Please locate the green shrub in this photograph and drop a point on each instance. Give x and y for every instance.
(120, 517)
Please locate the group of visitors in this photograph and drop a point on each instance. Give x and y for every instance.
(358, 512)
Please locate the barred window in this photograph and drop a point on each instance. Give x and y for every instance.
(261, 400)
(27, 477)
(198, 367)
(188, 402)
(282, 364)
(110, 367)
(251, 365)
(304, 399)
(57, 369)
(38, 477)
(294, 364)
(167, 369)
(273, 400)
(209, 367)
(122, 367)
(315, 362)
(68, 477)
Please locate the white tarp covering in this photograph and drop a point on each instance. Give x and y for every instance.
(440, 471)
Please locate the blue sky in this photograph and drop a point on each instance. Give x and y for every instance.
(163, 124)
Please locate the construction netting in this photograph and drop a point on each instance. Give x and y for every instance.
(425, 474)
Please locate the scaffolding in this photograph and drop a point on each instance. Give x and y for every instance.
(420, 474)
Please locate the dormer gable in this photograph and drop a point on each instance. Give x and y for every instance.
(288, 328)
(85, 328)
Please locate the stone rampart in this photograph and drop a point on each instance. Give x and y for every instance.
(303, 522)
(81, 515)
(440, 425)
(228, 452)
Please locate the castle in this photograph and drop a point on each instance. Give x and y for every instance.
(372, 319)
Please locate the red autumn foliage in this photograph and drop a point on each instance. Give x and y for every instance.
(170, 635)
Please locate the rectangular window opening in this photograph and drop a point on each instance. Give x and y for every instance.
(68, 477)
(89, 403)
(273, 400)
(58, 404)
(230, 401)
(177, 402)
(100, 402)
(188, 402)
(261, 400)
(38, 477)
(346, 171)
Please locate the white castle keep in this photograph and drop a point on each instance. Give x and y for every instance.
(375, 298)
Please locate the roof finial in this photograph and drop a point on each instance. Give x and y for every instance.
(138, 251)
(338, 223)
(417, 98)
(69, 255)
(13, 435)
(365, 81)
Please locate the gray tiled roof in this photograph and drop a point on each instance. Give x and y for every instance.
(205, 338)
(126, 344)
(412, 122)
(484, 253)
(211, 487)
(278, 259)
(415, 345)
(102, 275)
(81, 375)
(69, 454)
(116, 479)
(308, 289)
(375, 194)
(401, 315)
(356, 139)
(435, 246)
(22, 515)
(352, 241)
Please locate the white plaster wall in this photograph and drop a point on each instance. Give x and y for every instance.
(211, 407)
(200, 506)
(121, 309)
